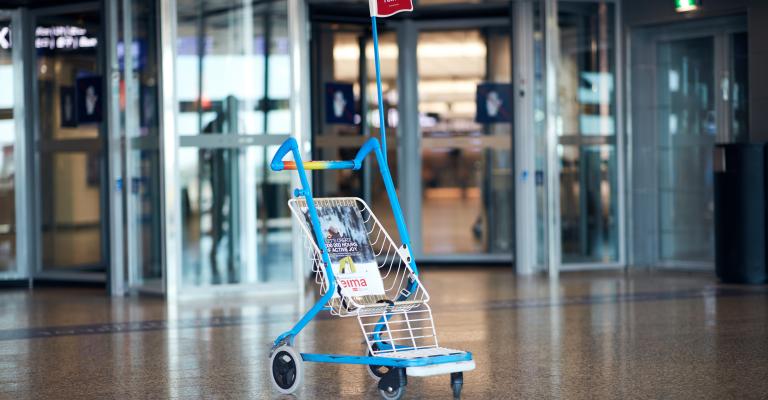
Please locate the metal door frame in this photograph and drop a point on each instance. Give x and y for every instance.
(33, 128)
(115, 151)
(524, 133)
(553, 212)
(21, 117)
(124, 262)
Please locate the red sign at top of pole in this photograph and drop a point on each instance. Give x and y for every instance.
(385, 8)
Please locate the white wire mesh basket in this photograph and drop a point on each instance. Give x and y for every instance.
(401, 332)
(392, 260)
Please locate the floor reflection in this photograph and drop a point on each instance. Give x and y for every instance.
(587, 335)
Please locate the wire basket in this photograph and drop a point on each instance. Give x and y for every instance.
(403, 290)
(390, 333)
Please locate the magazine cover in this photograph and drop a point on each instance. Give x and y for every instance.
(352, 258)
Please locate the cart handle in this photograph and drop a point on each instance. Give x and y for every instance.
(289, 145)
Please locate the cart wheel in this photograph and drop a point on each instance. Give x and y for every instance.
(377, 371)
(392, 394)
(392, 384)
(457, 381)
(456, 391)
(287, 369)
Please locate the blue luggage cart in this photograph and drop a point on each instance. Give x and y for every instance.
(384, 294)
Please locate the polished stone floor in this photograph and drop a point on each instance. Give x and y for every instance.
(601, 335)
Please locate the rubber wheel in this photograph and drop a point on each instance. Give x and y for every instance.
(456, 391)
(377, 371)
(395, 394)
(457, 381)
(287, 369)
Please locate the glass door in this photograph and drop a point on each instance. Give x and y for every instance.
(346, 114)
(453, 170)
(584, 139)
(12, 262)
(465, 117)
(687, 132)
(233, 91)
(702, 100)
(135, 56)
(587, 134)
(699, 99)
(70, 111)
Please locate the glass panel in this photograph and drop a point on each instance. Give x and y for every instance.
(71, 106)
(223, 64)
(146, 214)
(340, 66)
(141, 127)
(540, 131)
(274, 234)
(7, 140)
(388, 53)
(587, 69)
(69, 76)
(687, 130)
(466, 161)
(224, 206)
(338, 50)
(71, 197)
(740, 88)
(589, 175)
(588, 202)
(233, 77)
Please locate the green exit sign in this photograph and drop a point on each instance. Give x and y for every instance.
(687, 5)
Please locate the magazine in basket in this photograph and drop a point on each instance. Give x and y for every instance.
(352, 257)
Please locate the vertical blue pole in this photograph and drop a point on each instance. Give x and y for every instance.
(382, 122)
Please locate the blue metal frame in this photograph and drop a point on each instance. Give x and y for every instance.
(377, 63)
(371, 146)
(385, 361)
(380, 150)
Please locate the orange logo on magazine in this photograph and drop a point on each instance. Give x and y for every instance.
(346, 266)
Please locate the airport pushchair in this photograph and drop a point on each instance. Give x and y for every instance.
(362, 273)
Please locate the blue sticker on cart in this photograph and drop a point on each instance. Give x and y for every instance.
(494, 103)
(339, 103)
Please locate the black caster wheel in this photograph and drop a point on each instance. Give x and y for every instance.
(287, 369)
(457, 381)
(392, 384)
(392, 394)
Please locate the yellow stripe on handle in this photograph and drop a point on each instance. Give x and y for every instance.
(317, 165)
(308, 165)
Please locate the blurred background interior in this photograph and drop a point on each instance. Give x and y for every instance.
(542, 136)
(559, 164)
